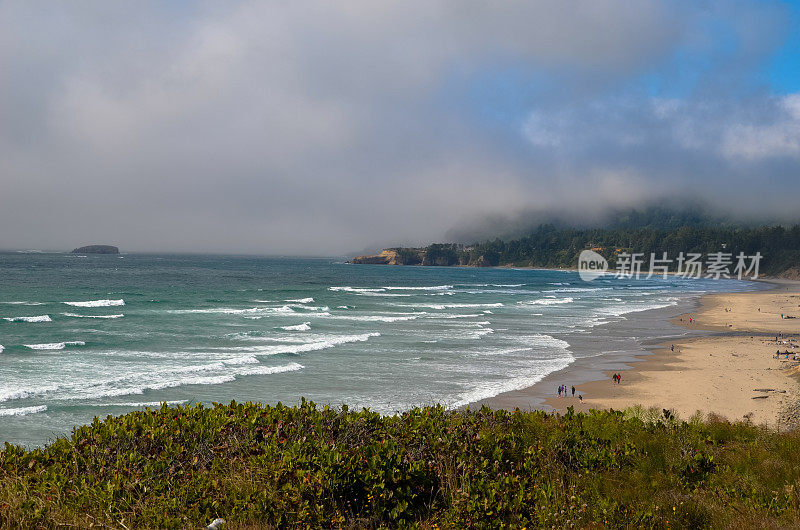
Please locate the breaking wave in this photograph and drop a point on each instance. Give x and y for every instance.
(349, 289)
(450, 306)
(535, 372)
(75, 315)
(428, 288)
(23, 411)
(305, 326)
(377, 318)
(138, 383)
(97, 303)
(138, 404)
(548, 301)
(232, 311)
(55, 345)
(324, 344)
(40, 318)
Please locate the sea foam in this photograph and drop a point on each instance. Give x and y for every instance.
(548, 301)
(23, 411)
(138, 404)
(349, 289)
(232, 311)
(23, 393)
(450, 306)
(316, 345)
(40, 318)
(423, 288)
(55, 345)
(138, 383)
(97, 303)
(535, 373)
(75, 315)
(305, 326)
(376, 318)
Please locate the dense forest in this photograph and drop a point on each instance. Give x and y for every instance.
(650, 231)
(552, 247)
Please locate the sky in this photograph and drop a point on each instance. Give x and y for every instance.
(324, 128)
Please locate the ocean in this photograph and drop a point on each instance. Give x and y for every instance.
(86, 336)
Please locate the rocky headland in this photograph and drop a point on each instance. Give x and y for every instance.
(96, 249)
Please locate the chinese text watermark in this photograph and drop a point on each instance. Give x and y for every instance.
(716, 265)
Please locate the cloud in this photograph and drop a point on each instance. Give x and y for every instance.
(644, 146)
(316, 127)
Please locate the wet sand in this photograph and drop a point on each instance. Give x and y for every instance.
(723, 363)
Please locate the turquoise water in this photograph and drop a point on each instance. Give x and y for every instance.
(97, 335)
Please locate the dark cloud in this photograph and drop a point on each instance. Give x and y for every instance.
(319, 127)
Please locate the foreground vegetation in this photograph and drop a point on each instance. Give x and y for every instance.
(264, 467)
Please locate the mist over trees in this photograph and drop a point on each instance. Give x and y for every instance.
(655, 230)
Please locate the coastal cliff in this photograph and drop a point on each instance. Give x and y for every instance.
(551, 247)
(433, 255)
(386, 257)
(96, 249)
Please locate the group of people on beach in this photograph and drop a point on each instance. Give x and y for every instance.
(563, 391)
(617, 378)
(780, 339)
(787, 353)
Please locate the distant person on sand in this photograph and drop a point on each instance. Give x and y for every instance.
(573, 391)
(559, 390)
(580, 396)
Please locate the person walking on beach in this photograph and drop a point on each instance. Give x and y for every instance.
(573, 391)
(559, 390)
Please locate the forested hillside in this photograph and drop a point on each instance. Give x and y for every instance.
(649, 231)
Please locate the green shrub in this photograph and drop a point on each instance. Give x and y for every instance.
(277, 466)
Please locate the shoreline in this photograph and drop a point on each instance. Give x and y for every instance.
(723, 363)
(609, 347)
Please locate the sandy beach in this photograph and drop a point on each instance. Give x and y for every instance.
(732, 373)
